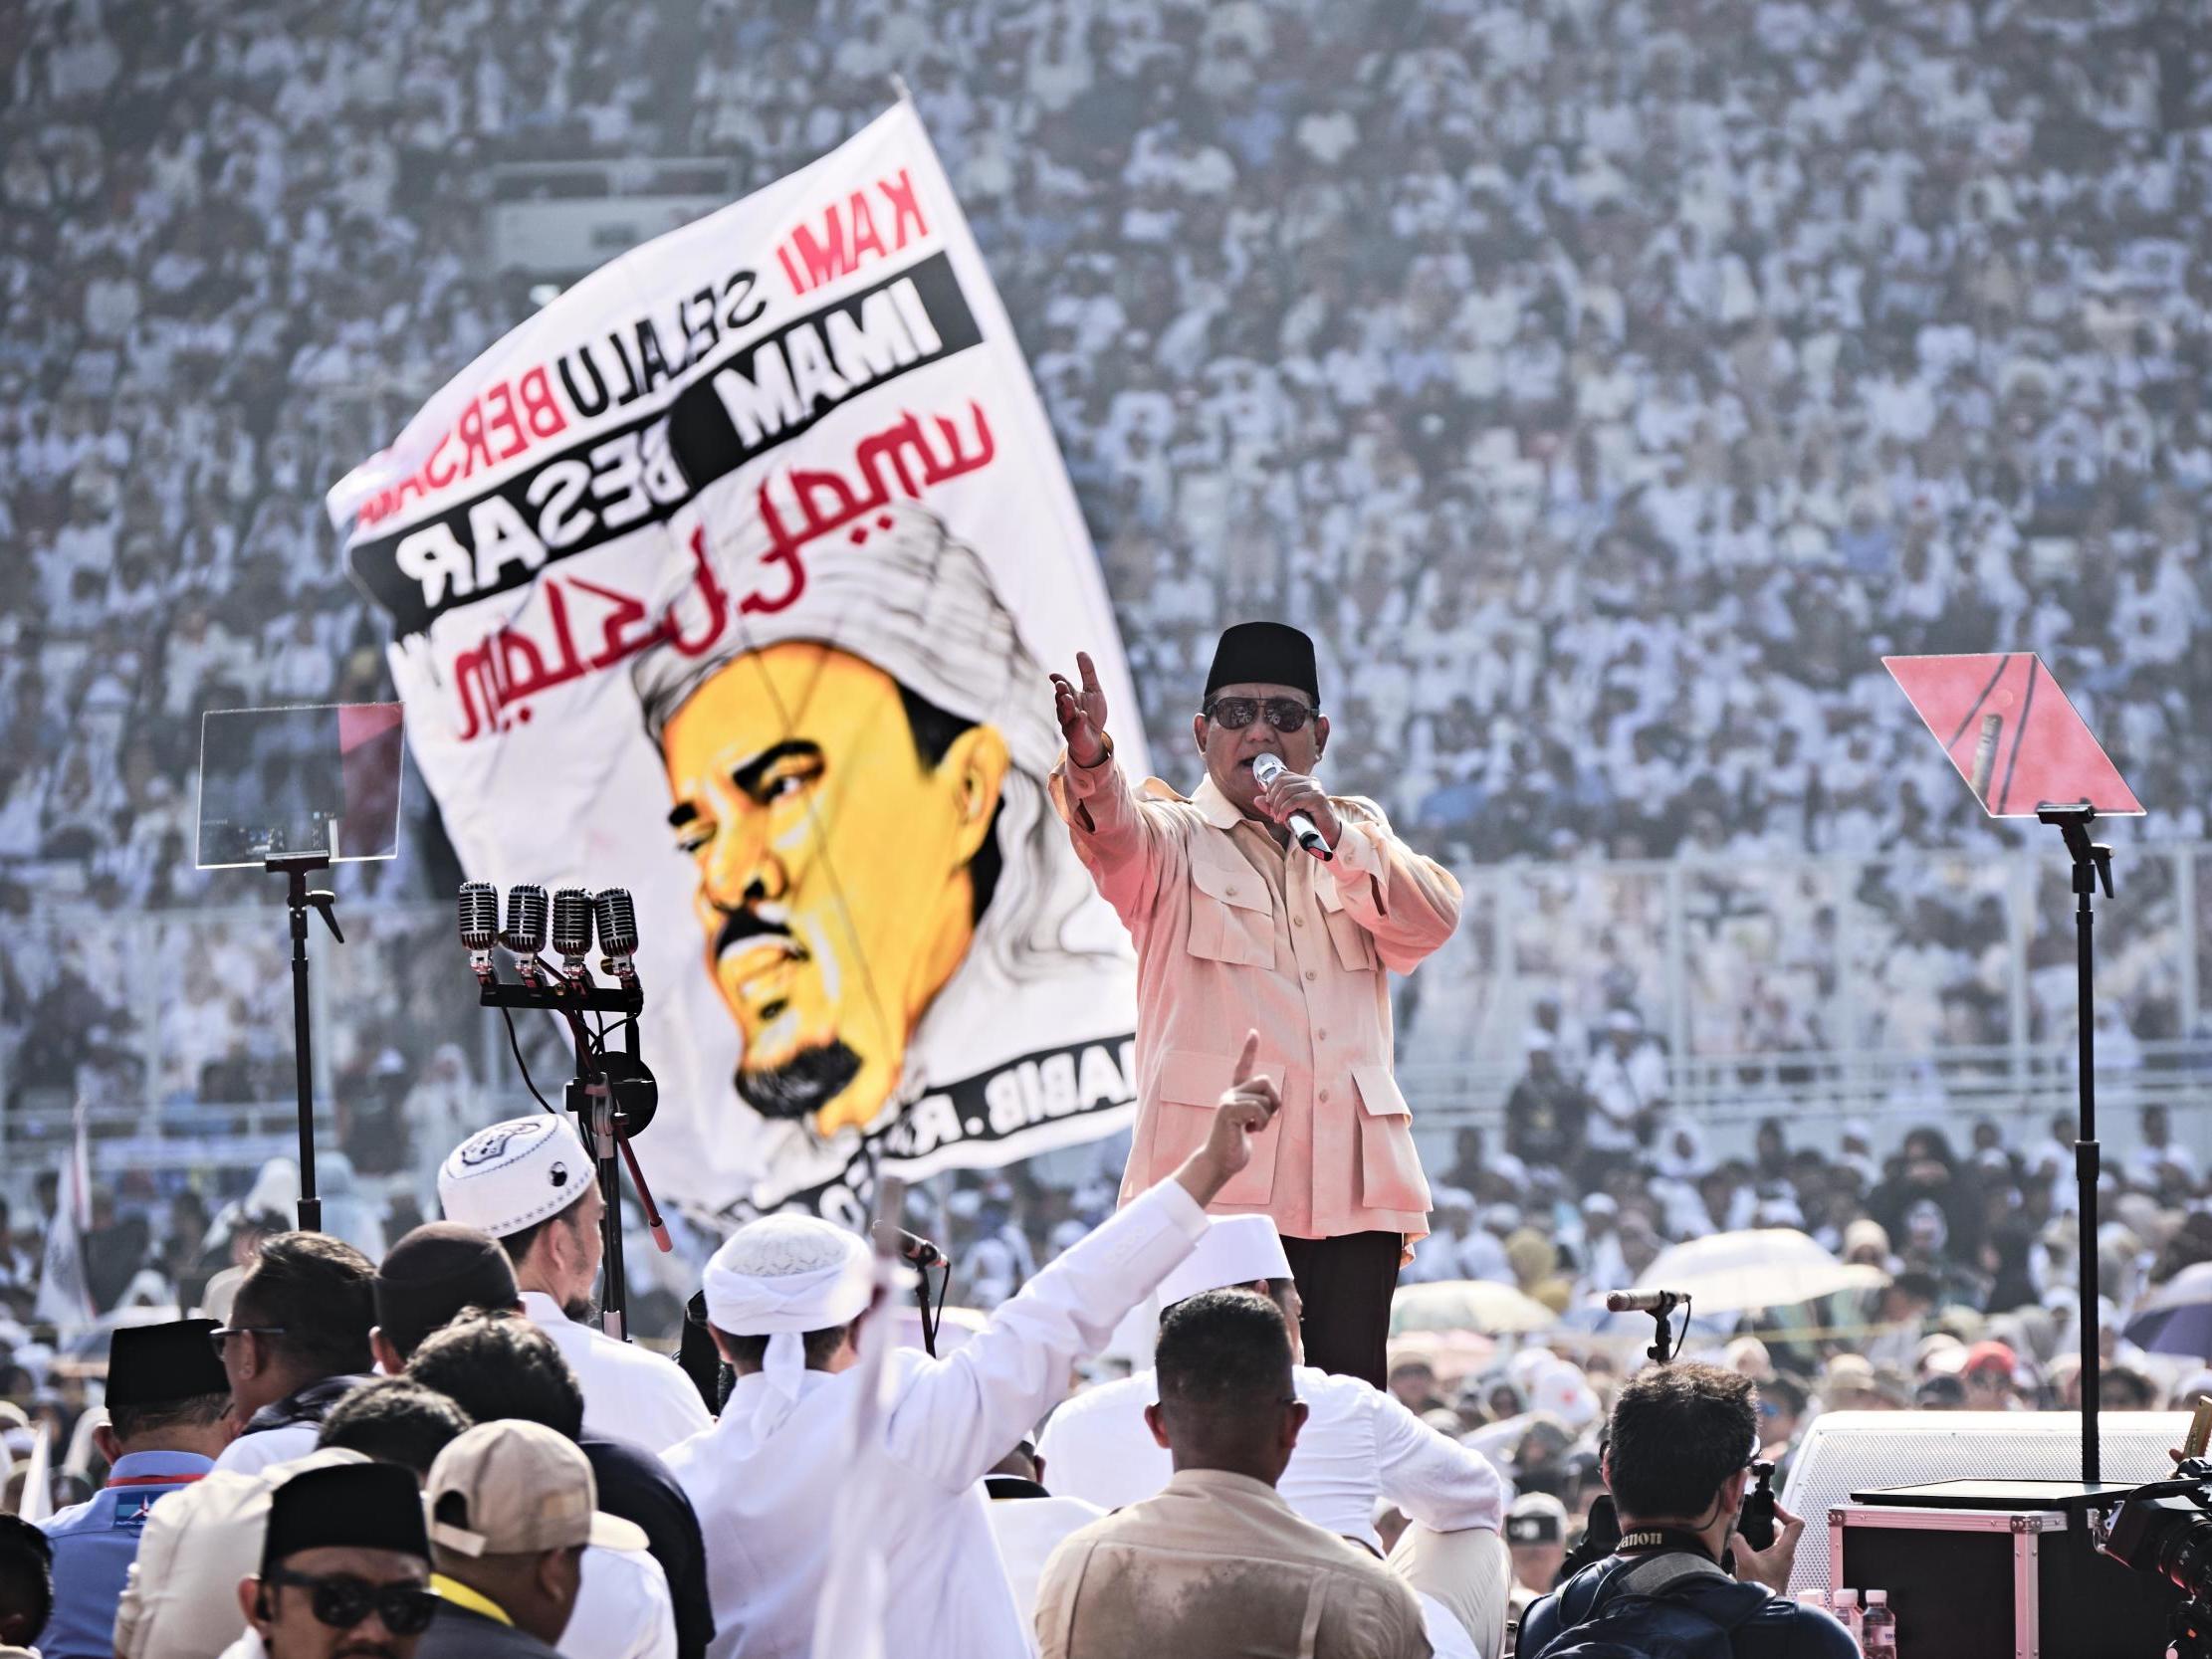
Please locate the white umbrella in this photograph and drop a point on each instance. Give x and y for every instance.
(1760, 1266)
(1483, 1304)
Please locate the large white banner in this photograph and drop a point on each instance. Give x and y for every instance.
(732, 577)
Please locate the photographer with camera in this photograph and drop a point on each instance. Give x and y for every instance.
(1678, 1462)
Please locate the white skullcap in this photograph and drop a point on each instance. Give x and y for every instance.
(1237, 1250)
(514, 1175)
(780, 1277)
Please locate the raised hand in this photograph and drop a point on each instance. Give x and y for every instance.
(1246, 1107)
(1081, 712)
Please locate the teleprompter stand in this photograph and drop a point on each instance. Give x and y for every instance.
(2019, 744)
(2093, 868)
(613, 1097)
(300, 899)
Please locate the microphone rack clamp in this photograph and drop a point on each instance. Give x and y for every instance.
(1665, 1343)
(613, 1097)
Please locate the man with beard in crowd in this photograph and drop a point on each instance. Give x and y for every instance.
(530, 1183)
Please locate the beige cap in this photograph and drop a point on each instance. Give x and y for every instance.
(513, 1488)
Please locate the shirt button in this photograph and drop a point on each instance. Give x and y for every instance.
(1310, 974)
(1297, 922)
(1322, 1035)
(1324, 1094)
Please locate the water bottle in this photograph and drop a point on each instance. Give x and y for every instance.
(1846, 1609)
(1878, 1628)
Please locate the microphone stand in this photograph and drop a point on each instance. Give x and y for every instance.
(612, 1096)
(299, 898)
(1664, 1345)
(2093, 868)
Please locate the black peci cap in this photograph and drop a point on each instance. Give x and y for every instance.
(1267, 654)
(162, 1365)
(348, 1506)
(433, 1273)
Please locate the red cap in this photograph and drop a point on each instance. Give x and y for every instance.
(1990, 1357)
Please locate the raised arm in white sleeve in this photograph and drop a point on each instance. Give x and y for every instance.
(955, 1418)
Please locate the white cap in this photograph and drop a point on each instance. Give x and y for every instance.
(1237, 1250)
(514, 1175)
(1846, 1598)
(1878, 1598)
(1559, 1388)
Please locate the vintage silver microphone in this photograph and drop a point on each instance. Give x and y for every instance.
(525, 935)
(1265, 769)
(617, 915)
(571, 933)
(479, 907)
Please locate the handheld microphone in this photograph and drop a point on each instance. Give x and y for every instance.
(617, 913)
(571, 933)
(1644, 1302)
(525, 928)
(910, 1248)
(479, 907)
(1265, 769)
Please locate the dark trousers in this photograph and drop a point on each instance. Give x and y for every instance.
(1346, 1284)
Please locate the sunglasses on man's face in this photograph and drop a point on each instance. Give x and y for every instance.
(341, 1601)
(1236, 712)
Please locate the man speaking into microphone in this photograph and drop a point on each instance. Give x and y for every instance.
(1268, 905)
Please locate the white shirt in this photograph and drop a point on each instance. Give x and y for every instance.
(629, 1393)
(180, 1600)
(623, 1609)
(1448, 1637)
(1358, 1444)
(764, 1500)
(1027, 1530)
(250, 1454)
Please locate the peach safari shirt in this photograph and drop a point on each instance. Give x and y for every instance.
(1236, 933)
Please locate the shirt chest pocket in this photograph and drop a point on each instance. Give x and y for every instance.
(1232, 916)
(1354, 944)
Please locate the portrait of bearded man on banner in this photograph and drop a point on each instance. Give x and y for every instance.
(860, 779)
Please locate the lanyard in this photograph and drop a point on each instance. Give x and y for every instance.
(153, 1480)
(461, 1596)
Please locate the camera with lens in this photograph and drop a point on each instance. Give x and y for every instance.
(1755, 1521)
(2165, 1529)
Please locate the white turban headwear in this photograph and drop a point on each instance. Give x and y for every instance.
(780, 1277)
